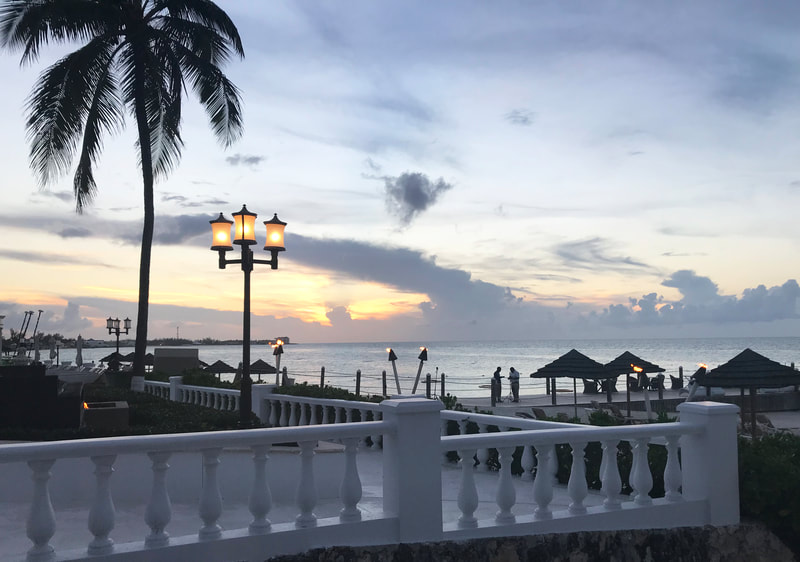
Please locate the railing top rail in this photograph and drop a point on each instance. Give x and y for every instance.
(500, 420)
(327, 401)
(565, 435)
(156, 383)
(186, 441)
(210, 389)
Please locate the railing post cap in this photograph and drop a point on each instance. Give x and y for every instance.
(707, 408)
(412, 403)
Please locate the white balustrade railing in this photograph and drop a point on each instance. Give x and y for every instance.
(285, 410)
(701, 485)
(693, 482)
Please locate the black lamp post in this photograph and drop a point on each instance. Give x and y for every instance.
(113, 327)
(244, 227)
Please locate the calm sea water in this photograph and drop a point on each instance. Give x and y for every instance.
(468, 365)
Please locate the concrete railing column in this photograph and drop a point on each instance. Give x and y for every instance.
(174, 389)
(710, 459)
(411, 454)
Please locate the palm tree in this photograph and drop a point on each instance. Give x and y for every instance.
(136, 57)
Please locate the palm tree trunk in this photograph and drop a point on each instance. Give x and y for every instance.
(137, 382)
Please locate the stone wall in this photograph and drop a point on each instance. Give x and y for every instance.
(748, 542)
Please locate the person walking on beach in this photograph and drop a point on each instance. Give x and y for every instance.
(513, 377)
(497, 386)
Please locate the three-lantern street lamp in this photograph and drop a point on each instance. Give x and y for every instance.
(113, 327)
(244, 229)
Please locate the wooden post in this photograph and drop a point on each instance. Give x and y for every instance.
(383, 376)
(322, 377)
(753, 410)
(285, 377)
(443, 394)
(358, 382)
(428, 386)
(547, 384)
(680, 375)
(553, 390)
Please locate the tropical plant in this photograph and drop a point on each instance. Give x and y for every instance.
(136, 57)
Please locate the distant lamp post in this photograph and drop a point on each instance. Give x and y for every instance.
(1, 335)
(113, 327)
(244, 228)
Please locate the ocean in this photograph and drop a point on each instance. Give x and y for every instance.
(469, 365)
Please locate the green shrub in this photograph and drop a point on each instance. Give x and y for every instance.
(769, 484)
(199, 377)
(328, 392)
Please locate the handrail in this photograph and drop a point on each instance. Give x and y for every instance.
(185, 442)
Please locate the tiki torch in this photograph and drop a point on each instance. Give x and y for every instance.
(393, 359)
(423, 356)
(277, 351)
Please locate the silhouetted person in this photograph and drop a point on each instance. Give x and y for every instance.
(513, 377)
(497, 385)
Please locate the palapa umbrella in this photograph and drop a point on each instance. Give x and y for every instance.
(261, 367)
(113, 356)
(628, 363)
(220, 367)
(750, 370)
(576, 365)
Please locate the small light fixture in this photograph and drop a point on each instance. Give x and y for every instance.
(244, 227)
(127, 325)
(109, 324)
(221, 234)
(275, 227)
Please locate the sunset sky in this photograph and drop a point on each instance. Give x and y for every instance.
(450, 171)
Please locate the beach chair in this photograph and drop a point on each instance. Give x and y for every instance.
(614, 410)
(589, 386)
(633, 384)
(605, 382)
(677, 382)
(539, 414)
(657, 382)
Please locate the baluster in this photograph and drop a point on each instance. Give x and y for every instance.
(307, 488)
(641, 479)
(284, 413)
(483, 454)
(158, 513)
(210, 498)
(363, 413)
(506, 495)
(349, 414)
(273, 413)
(443, 433)
(350, 490)
(673, 478)
(612, 481)
(101, 514)
(217, 401)
(41, 524)
(543, 482)
(376, 444)
(293, 414)
(236, 400)
(338, 414)
(260, 497)
(314, 418)
(527, 462)
(325, 414)
(303, 417)
(467, 491)
(577, 487)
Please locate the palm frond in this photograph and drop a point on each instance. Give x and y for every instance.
(219, 95)
(58, 106)
(206, 43)
(207, 13)
(105, 115)
(27, 24)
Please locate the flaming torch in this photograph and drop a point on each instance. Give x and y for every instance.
(393, 359)
(645, 394)
(277, 351)
(423, 356)
(693, 380)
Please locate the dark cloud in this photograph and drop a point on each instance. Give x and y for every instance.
(69, 323)
(49, 258)
(189, 202)
(594, 254)
(245, 160)
(412, 193)
(66, 196)
(522, 117)
(75, 232)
